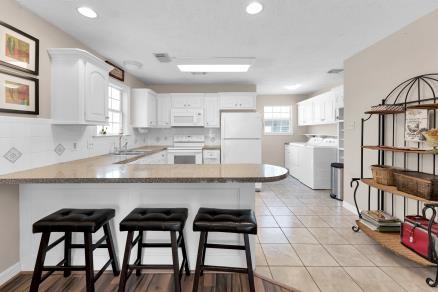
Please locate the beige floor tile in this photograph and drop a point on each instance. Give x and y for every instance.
(327, 235)
(299, 235)
(412, 279)
(302, 210)
(339, 221)
(312, 221)
(262, 210)
(271, 235)
(339, 210)
(347, 255)
(288, 221)
(264, 271)
(260, 256)
(292, 202)
(333, 279)
(274, 203)
(280, 211)
(281, 255)
(354, 237)
(266, 221)
(314, 255)
(295, 277)
(383, 257)
(372, 279)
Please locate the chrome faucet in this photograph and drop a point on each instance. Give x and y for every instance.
(120, 141)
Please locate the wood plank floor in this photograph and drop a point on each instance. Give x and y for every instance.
(159, 282)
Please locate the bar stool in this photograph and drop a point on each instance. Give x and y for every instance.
(240, 221)
(86, 221)
(154, 219)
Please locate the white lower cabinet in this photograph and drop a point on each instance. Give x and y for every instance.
(156, 158)
(211, 156)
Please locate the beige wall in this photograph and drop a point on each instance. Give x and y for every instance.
(323, 129)
(273, 145)
(50, 37)
(371, 74)
(201, 88)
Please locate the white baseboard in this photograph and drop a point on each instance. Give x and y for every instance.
(9, 273)
(349, 207)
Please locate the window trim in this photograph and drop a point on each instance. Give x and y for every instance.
(290, 133)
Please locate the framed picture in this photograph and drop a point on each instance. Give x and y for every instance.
(117, 72)
(18, 50)
(18, 94)
(417, 122)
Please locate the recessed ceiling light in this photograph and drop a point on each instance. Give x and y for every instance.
(87, 12)
(254, 8)
(214, 68)
(132, 65)
(292, 87)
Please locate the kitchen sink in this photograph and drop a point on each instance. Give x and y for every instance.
(128, 153)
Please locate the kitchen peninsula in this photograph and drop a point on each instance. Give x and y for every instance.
(110, 181)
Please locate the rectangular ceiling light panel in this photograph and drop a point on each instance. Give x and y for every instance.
(214, 68)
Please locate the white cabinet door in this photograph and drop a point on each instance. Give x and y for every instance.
(96, 93)
(143, 108)
(187, 100)
(211, 111)
(164, 104)
(287, 161)
(238, 100)
(308, 113)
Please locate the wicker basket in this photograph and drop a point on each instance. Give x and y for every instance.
(383, 174)
(417, 183)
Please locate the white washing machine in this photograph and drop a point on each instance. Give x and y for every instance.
(310, 162)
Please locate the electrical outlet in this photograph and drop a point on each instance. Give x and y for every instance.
(75, 146)
(90, 144)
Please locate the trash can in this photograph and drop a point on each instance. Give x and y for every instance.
(337, 181)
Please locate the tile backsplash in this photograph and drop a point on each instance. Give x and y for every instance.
(27, 143)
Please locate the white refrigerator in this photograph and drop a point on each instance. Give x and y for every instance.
(241, 134)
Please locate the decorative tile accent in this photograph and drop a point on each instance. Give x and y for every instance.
(59, 149)
(13, 155)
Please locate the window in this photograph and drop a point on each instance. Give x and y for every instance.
(277, 120)
(115, 112)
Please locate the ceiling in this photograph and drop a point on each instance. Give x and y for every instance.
(293, 41)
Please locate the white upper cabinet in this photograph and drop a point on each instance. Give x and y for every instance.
(238, 101)
(338, 93)
(164, 105)
(80, 83)
(211, 111)
(187, 100)
(143, 108)
(318, 110)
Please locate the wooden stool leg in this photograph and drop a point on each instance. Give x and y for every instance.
(67, 253)
(202, 240)
(38, 271)
(111, 249)
(204, 252)
(184, 253)
(127, 255)
(249, 263)
(139, 252)
(89, 267)
(174, 244)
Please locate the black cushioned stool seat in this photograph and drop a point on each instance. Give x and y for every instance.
(86, 221)
(240, 221)
(154, 219)
(74, 220)
(225, 220)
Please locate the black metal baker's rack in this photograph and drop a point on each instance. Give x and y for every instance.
(417, 92)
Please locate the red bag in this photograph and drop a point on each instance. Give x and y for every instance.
(414, 236)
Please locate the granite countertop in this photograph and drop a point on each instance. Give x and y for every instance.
(113, 169)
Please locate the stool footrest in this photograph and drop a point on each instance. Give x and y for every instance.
(55, 243)
(225, 246)
(97, 276)
(224, 269)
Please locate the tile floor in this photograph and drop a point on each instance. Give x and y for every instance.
(305, 241)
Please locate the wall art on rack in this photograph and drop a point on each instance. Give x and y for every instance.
(117, 73)
(18, 50)
(417, 122)
(18, 94)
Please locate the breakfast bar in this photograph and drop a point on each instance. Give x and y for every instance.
(109, 181)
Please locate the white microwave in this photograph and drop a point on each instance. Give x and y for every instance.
(187, 117)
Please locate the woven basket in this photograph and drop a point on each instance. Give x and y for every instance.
(420, 184)
(383, 174)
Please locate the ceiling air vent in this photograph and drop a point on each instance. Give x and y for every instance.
(163, 57)
(335, 71)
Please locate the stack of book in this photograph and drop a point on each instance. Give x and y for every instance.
(380, 221)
